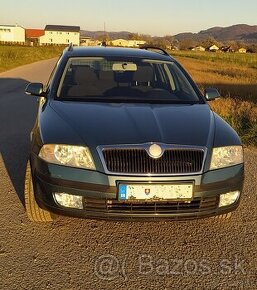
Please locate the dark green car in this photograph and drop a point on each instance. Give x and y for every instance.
(126, 134)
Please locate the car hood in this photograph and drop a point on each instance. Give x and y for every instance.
(108, 124)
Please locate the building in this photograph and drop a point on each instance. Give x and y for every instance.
(33, 35)
(60, 35)
(213, 48)
(136, 43)
(88, 41)
(242, 50)
(198, 48)
(127, 43)
(119, 42)
(12, 33)
(227, 49)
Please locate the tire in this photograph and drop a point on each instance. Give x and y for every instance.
(34, 212)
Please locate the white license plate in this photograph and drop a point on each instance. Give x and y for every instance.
(156, 191)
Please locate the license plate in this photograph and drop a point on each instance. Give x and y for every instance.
(156, 191)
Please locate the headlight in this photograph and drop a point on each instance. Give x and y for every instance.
(73, 156)
(226, 156)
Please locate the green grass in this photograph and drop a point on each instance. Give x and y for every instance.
(14, 56)
(248, 60)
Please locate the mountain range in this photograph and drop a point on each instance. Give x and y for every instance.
(238, 32)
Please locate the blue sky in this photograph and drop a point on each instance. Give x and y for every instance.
(155, 17)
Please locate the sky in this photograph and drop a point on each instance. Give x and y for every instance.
(154, 17)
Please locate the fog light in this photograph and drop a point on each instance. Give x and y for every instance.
(68, 200)
(229, 198)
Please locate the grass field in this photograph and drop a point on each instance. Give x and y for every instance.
(13, 56)
(244, 59)
(235, 76)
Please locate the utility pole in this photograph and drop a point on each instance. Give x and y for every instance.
(105, 37)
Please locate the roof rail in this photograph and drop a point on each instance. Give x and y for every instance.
(70, 47)
(150, 47)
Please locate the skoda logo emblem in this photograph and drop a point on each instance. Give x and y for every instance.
(155, 151)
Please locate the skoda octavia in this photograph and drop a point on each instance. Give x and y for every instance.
(126, 134)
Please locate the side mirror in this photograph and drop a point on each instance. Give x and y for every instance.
(211, 94)
(35, 89)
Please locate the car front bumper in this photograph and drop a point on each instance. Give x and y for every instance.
(100, 193)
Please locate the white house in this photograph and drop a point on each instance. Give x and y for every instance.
(198, 48)
(60, 35)
(88, 41)
(213, 48)
(136, 43)
(242, 50)
(12, 33)
(127, 43)
(119, 42)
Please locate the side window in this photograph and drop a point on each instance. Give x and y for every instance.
(170, 77)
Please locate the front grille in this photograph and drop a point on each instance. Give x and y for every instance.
(151, 207)
(137, 161)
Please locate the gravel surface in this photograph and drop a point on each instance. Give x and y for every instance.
(86, 254)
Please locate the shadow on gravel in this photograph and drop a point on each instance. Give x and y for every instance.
(17, 117)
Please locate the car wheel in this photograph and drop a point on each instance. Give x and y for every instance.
(34, 212)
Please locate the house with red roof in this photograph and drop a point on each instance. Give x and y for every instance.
(33, 35)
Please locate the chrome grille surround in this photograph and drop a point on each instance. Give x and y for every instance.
(166, 147)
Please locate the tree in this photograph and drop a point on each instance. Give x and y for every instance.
(252, 48)
(187, 44)
(133, 36)
(137, 36)
(104, 37)
(207, 42)
(234, 46)
(171, 39)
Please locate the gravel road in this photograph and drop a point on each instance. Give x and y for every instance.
(86, 254)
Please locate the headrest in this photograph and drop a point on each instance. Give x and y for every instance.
(123, 77)
(84, 74)
(143, 74)
(106, 76)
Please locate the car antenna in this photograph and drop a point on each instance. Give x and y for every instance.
(70, 47)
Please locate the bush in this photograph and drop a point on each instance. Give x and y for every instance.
(241, 115)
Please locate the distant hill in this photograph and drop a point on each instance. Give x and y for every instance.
(112, 35)
(238, 32)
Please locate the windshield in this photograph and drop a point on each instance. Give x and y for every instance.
(110, 79)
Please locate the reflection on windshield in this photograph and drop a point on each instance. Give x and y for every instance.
(124, 79)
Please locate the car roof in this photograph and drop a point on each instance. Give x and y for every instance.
(102, 51)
